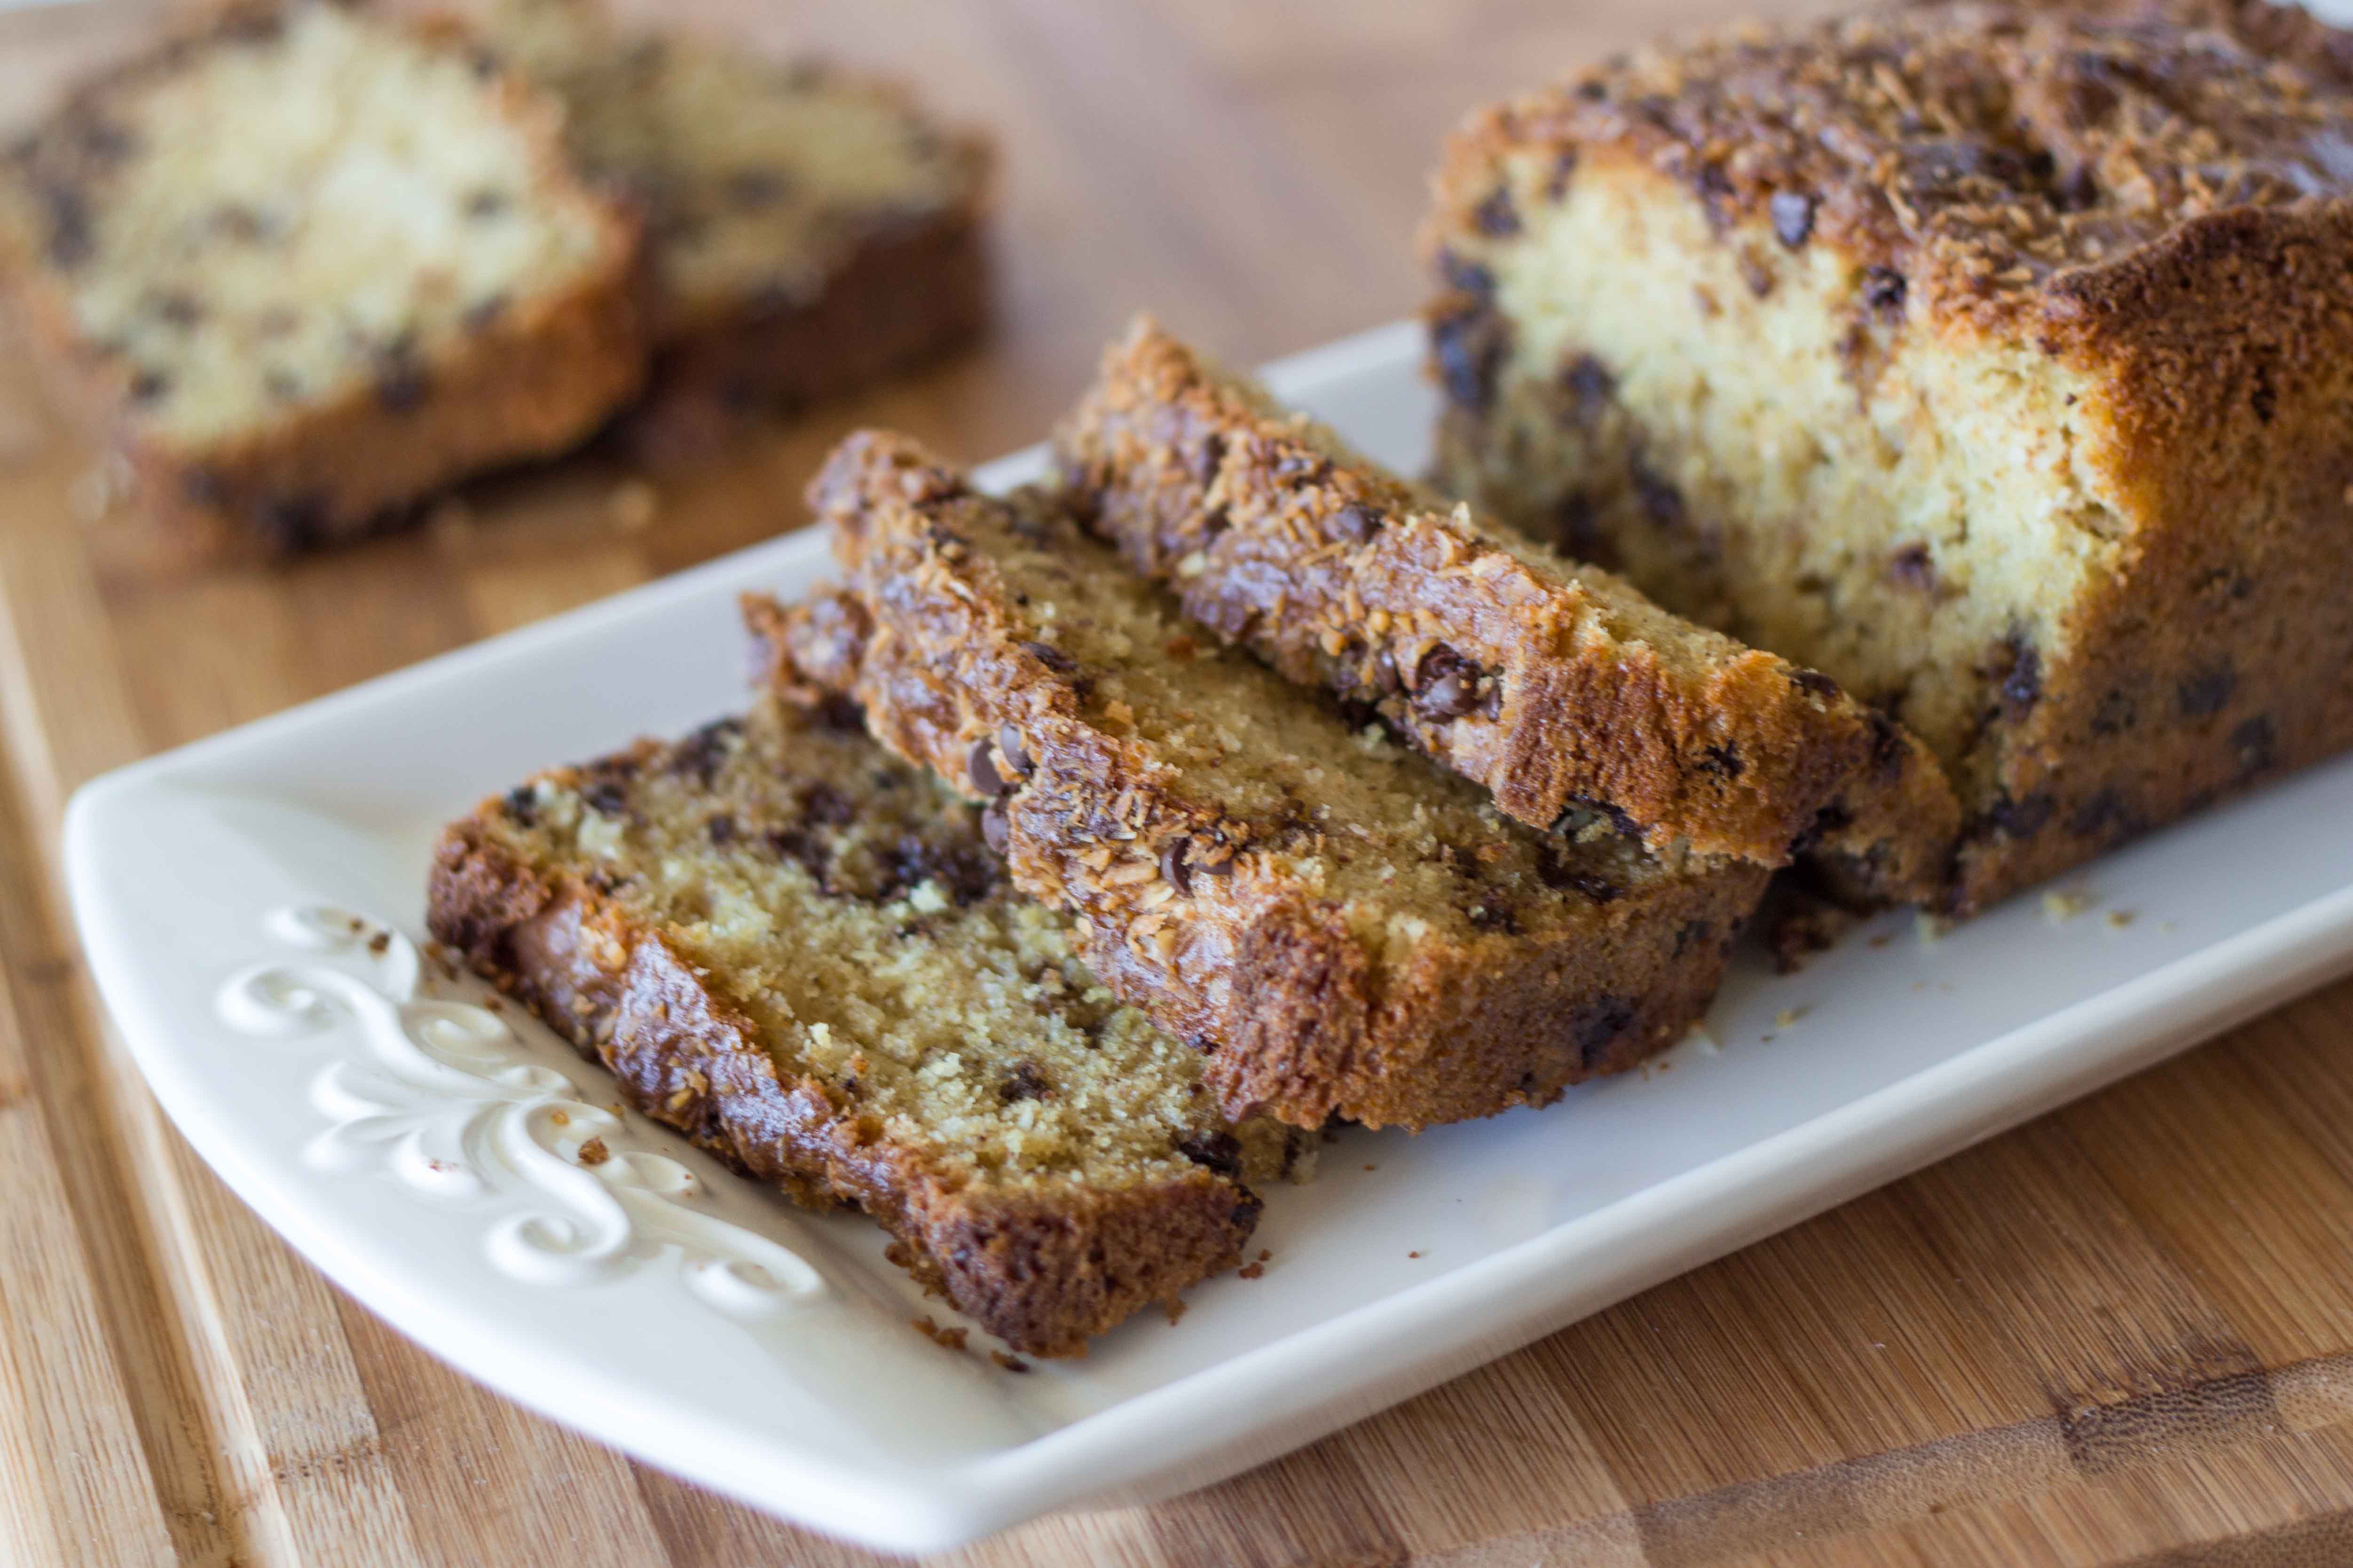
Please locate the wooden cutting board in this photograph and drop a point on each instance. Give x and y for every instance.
(2121, 1335)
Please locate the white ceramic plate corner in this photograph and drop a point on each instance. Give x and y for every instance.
(247, 904)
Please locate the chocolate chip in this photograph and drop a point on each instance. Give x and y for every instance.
(2020, 818)
(822, 804)
(1024, 1082)
(1445, 685)
(1469, 277)
(1883, 290)
(1469, 346)
(1205, 460)
(606, 797)
(401, 386)
(522, 805)
(1564, 169)
(1554, 871)
(1793, 217)
(701, 752)
(1815, 681)
(2208, 692)
(1590, 387)
(1493, 916)
(1015, 755)
(180, 310)
(72, 238)
(2115, 714)
(150, 386)
(1581, 809)
(840, 714)
(721, 830)
(964, 876)
(1173, 867)
(2018, 667)
(1356, 524)
(487, 204)
(2258, 744)
(291, 522)
(1597, 1025)
(756, 190)
(1661, 502)
(1692, 931)
(1911, 567)
(980, 765)
(1052, 658)
(2264, 398)
(2103, 811)
(1577, 529)
(995, 828)
(1496, 216)
(1220, 1152)
(1722, 761)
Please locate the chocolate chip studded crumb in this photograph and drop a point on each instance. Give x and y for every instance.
(1245, 858)
(847, 964)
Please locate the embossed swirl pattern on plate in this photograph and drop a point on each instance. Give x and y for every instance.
(438, 1094)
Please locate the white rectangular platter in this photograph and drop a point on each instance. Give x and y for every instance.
(425, 1158)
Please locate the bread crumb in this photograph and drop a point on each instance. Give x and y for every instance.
(1372, 1167)
(1176, 1309)
(632, 505)
(1882, 940)
(2059, 908)
(1253, 1270)
(559, 1117)
(946, 1339)
(1930, 929)
(1788, 1015)
(593, 1153)
(1413, 1255)
(2118, 919)
(1264, 1253)
(1009, 1363)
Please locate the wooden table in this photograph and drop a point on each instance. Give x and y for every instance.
(2123, 1334)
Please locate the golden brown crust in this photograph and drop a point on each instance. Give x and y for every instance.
(1301, 1015)
(2144, 197)
(907, 296)
(1044, 1274)
(1556, 686)
(538, 378)
(1966, 157)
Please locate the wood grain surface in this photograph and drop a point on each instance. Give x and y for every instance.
(2121, 1335)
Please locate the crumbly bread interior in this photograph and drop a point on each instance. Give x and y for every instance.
(1704, 411)
(1339, 809)
(292, 209)
(847, 903)
(760, 178)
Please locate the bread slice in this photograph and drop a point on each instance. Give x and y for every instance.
(1342, 928)
(1993, 359)
(1559, 686)
(808, 229)
(800, 953)
(310, 266)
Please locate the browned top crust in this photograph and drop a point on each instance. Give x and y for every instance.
(1340, 927)
(1983, 164)
(1557, 686)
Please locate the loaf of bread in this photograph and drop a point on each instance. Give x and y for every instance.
(308, 267)
(1342, 928)
(1560, 687)
(807, 230)
(1993, 360)
(800, 953)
